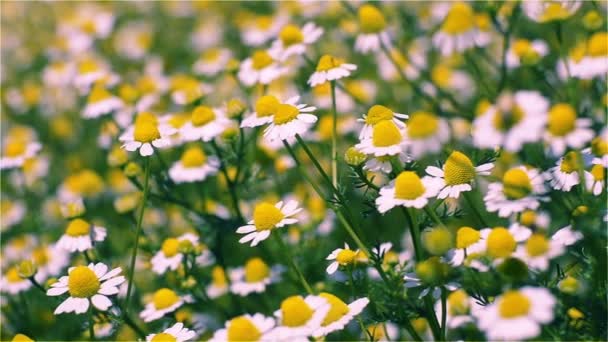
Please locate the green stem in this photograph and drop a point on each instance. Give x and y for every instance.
(414, 232)
(433, 216)
(467, 197)
(443, 312)
(353, 291)
(231, 185)
(334, 137)
(137, 233)
(293, 264)
(91, 323)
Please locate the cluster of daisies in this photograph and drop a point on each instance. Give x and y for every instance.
(274, 171)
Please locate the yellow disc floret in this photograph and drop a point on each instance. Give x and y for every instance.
(78, 227)
(562, 119)
(371, 20)
(458, 303)
(422, 125)
(82, 282)
(516, 184)
(466, 236)
(328, 62)
(378, 113)
(570, 163)
(597, 46)
(242, 329)
(202, 115)
(460, 19)
(346, 257)
(458, 169)
(266, 105)
(256, 270)
(170, 247)
(146, 131)
(290, 35)
(408, 186)
(513, 304)
(386, 133)
(193, 157)
(99, 93)
(218, 277)
(14, 148)
(261, 59)
(598, 172)
(163, 337)
(266, 216)
(285, 113)
(295, 312)
(500, 243)
(537, 245)
(337, 308)
(164, 298)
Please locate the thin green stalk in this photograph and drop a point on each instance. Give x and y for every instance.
(431, 213)
(293, 264)
(444, 297)
(334, 137)
(467, 197)
(137, 233)
(91, 323)
(353, 292)
(414, 232)
(229, 182)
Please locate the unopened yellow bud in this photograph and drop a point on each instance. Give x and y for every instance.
(354, 157)
(437, 241)
(26, 269)
(132, 169)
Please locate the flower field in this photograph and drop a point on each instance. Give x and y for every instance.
(303, 171)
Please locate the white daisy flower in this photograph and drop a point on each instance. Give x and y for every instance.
(290, 119)
(16, 151)
(425, 134)
(565, 130)
(459, 306)
(177, 333)
(49, 261)
(535, 219)
(193, 166)
(407, 190)
(80, 236)
(538, 251)
(383, 164)
(390, 258)
(330, 69)
(545, 11)
(565, 175)
(382, 332)
(339, 315)
(517, 314)
(469, 246)
(299, 318)
(458, 31)
(595, 179)
(373, 30)
(145, 134)
(566, 236)
(258, 30)
(265, 109)
(341, 256)
(212, 61)
(523, 51)
(12, 283)
(12, 212)
(410, 62)
(89, 71)
(208, 33)
(260, 68)
(587, 60)
(163, 301)
(256, 327)
(293, 40)
(376, 114)
(267, 217)
(186, 89)
(413, 280)
(387, 139)
(101, 102)
(458, 174)
(519, 190)
(170, 257)
(514, 121)
(254, 277)
(92, 20)
(206, 123)
(501, 242)
(219, 283)
(85, 285)
(58, 74)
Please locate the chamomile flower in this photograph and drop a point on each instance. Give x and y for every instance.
(407, 190)
(212, 61)
(566, 236)
(293, 40)
(519, 190)
(538, 251)
(300, 317)
(564, 129)
(340, 314)
(219, 283)
(193, 166)
(267, 217)
(15, 151)
(265, 109)
(12, 213)
(260, 68)
(186, 89)
(257, 30)
(100, 102)
(514, 121)
(457, 174)
(383, 164)
(80, 236)
(546, 11)
(517, 314)
(387, 139)
(170, 255)
(565, 175)
(425, 133)
(256, 327)
(89, 71)
(523, 51)
(163, 301)
(134, 40)
(341, 257)
(469, 242)
(11, 282)
(177, 333)
(58, 73)
(330, 69)
(49, 261)
(87, 285)
(459, 306)
(501, 242)
(376, 114)
(146, 134)
(373, 30)
(595, 179)
(458, 31)
(254, 277)
(587, 60)
(290, 119)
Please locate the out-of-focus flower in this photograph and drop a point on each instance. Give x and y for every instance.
(267, 217)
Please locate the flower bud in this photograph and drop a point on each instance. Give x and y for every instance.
(189, 283)
(72, 208)
(592, 20)
(513, 269)
(26, 269)
(185, 246)
(437, 241)
(117, 156)
(353, 157)
(569, 285)
(132, 169)
(580, 210)
(235, 107)
(432, 271)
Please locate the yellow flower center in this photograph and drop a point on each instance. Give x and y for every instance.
(598, 45)
(458, 169)
(483, 22)
(14, 148)
(562, 119)
(386, 133)
(266, 216)
(193, 157)
(466, 236)
(218, 276)
(570, 162)
(513, 304)
(41, 256)
(211, 55)
(458, 302)
(170, 247)
(256, 270)
(202, 115)
(78, 227)
(163, 337)
(554, 11)
(337, 308)
(599, 146)
(523, 47)
(500, 243)
(21, 338)
(460, 19)
(408, 186)
(290, 35)
(261, 59)
(537, 245)
(285, 113)
(295, 312)
(266, 105)
(164, 298)
(242, 329)
(516, 184)
(98, 93)
(87, 66)
(328, 62)
(422, 125)
(371, 19)
(378, 113)
(598, 172)
(146, 131)
(13, 275)
(528, 218)
(505, 121)
(346, 256)
(82, 282)
(263, 22)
